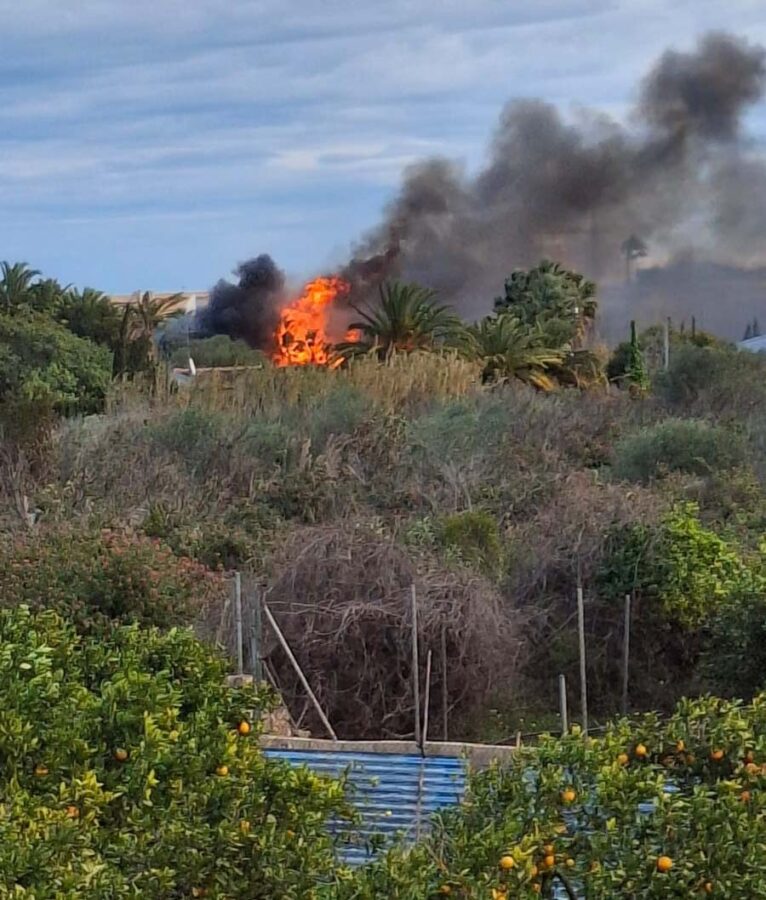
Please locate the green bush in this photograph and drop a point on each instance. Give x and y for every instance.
(41, 360)
(474, 538)
(686, 568)
(125, 771)
(96, 577)
(595, 816)
(217, 351)
(712, 372)
(688, 446)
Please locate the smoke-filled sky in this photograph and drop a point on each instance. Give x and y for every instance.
(155, 144)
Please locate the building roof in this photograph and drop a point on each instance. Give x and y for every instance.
(187, 300)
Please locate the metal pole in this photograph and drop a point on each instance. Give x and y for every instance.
(666, 345)
(583, 680)
(306, 686)
(238, 620)
(427, 702)
(445, 695)
(415, 664)
(626, 656)
(563, 704)
(256, 636)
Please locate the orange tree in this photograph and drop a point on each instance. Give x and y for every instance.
(651, 810)
(129, 769)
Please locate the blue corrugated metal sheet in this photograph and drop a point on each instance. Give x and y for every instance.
(395, 795)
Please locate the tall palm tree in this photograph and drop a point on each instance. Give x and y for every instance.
(406, 318)
(150, 312)
(511, 350)
(46, 296)
(16, 283)
(140, 323)
(90, 314)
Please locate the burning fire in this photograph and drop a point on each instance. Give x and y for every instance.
(304, 332)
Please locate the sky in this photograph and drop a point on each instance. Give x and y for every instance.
(154, 144)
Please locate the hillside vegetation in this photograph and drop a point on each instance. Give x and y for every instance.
(494, 468)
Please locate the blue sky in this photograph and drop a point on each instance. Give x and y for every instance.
(153, 145)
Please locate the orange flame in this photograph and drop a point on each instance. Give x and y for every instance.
(303, 335)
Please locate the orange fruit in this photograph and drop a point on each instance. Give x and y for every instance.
(680, 746)
(121, 755)
(533, 871)
(244, 728)
(507, 862)
(73, 812)
(244, 826)
(690, 759)
(569, 795)
(222, 771)
(664, 864)
(536, 887)
(623, 759)
(717, 755)
(707, 887)
(641, 751)
(445, 889)
(752, 769)
(550, 861)
(41, 771)
(570, 863)
(749, 756)
(548, 849)
(745, 796)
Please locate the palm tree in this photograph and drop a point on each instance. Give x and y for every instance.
(407, 318)
(140, 323)
(633, 248)
(46, 296)
(510, 349)
(560, 301)
(90, 314)
(16, 283)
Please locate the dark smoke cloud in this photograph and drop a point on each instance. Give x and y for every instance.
(248, 310)
(682, 176)
(703, 92)
(678, 176)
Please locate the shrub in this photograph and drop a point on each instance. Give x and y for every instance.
(688, 446)
(473, 537)
(687, 569)
(342, 596)
(596, 817)
(216, 351)
(124, 773)
(41, 360)
(100, 576)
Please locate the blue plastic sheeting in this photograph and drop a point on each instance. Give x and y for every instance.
(394, 795)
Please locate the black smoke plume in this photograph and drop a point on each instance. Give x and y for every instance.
(248, 310)
(681, 175)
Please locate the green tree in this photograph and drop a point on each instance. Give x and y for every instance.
(90, 314)
(636, 373)
(16, 283)
(407, 318)
(133, 770)
(42, 360)
(632, 249)
(560, 302)
(512, 350)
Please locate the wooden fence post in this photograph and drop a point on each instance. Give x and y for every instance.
(583, 668)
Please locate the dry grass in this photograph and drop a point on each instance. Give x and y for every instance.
(342, 595)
